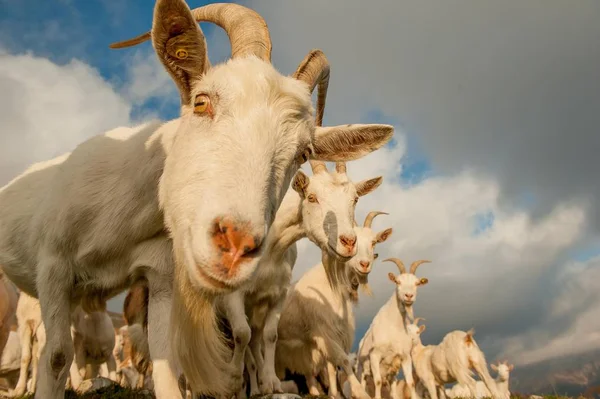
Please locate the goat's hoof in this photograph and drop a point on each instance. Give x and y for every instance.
(270, 384)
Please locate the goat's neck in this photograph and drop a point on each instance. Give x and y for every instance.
(502, 384)
(406, 312)
(287, 226)
(417, 349)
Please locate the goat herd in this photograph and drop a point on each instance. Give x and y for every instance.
(194, 217)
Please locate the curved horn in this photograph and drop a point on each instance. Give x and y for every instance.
(417, 320)
(398, 263)
(314, 69)
(371, 216)
(340, 167)
(247, 30)
(417, 263)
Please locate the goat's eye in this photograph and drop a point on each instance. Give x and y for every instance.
(375, 256)
(312, 198)
(201, 104)
(355, 200)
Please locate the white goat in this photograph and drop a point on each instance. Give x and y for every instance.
(502, 384)
(450, 361)
(317, 324)
(386, 345)
(32, 336)
(321, 208)
(94, 341)
(193, 198)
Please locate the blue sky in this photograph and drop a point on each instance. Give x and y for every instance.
(448, 112)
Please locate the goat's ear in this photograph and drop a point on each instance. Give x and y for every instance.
(300, 183)
(494, 367)
(392, 278)
(349, 142)
(179, 44)
(422, 328)
(366, 186)
(510, 367)
(423, 281)
(383, 235)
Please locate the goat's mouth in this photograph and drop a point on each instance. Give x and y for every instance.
(361, 273)
(408, 303)
(341, 257)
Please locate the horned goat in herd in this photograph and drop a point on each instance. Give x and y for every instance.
(448, 362)
(317, 324)
(321, 208)
(386, 345)
(32, 336)
(502, 384)
(191, 199)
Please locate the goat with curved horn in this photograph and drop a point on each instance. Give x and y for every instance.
(416, 264)
(398, 263)
(371, 216)
(247, 30)
(314, 70)
(417, 320)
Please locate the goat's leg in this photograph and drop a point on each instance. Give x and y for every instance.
(38, 344)
(269, 382)
(54, 295)
(407, 370)
(77, 370)
(159, 311)
(339, 357)
(252, 372)
(332, 377)
(25, 336)
(236, 314)
(111, 365)
(312, 383)
(256, 348)
(375, 360)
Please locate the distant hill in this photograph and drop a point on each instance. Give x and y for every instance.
(569, 375)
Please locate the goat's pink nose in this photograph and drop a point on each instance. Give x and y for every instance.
(348, 242)
(365, 264)
(409, 296)
(236, 242)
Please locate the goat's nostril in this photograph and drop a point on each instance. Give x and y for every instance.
(348, 241)
(365, 264)
(235, 239)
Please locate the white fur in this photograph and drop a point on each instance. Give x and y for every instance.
(32, 337)
(386, 346)
(502, 385)
(94, 342)
(317, 325)
(450, 361)
(325, 222)
(80, 226)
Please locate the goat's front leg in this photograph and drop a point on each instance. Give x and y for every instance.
(111, 365)
(159, 311)
(339, 358)
(252, 372)
(54, 293)
(38, 344)
(374, 361)
(25, 337)
(269, 383)
(407, 370)
(236, 314)
(332, 377)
